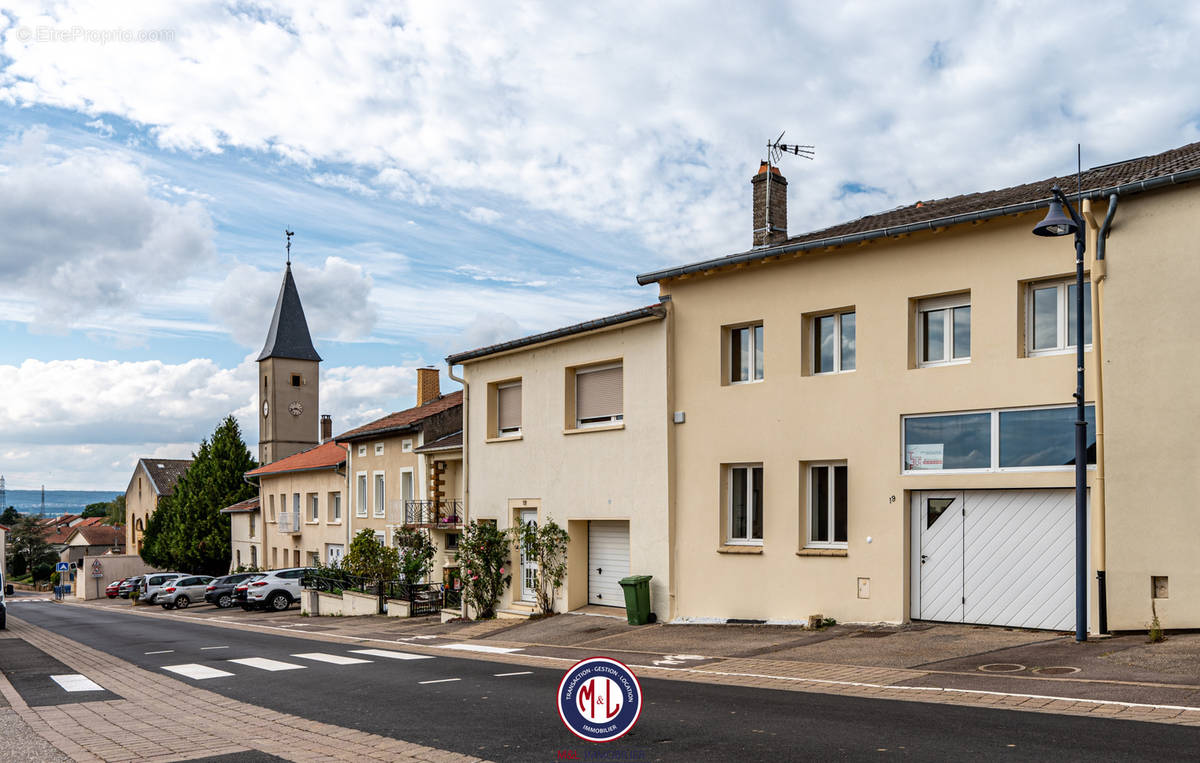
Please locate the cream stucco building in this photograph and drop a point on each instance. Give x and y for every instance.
(875, 420)
(245, 535)
(152, 480)
(304, 519)
(573, 426)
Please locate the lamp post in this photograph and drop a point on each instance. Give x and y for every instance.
(1059, 224)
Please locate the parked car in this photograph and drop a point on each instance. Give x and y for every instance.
(241, 589)
(276, 589)
(128, 585)
(182, 591)
(6, 589)
(154, 582)
(113, 588)
(220, 591)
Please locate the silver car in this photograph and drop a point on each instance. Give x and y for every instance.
(180, 592)
(152, 583)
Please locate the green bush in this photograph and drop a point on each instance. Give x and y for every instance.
(42, 571)
(483, 554)
(416, 554)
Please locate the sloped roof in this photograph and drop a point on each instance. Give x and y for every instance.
(406, 419)
(649, 311)
(100, 535)
(248, 505)
(57, 532)
(326, 456)
(1131, 176)
(452, 441)
(288, 336)
(164, 472)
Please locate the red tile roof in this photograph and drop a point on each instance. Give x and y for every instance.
(250, 504)
(57, 530)
(325, 456)
(407, 419)
(100, 535)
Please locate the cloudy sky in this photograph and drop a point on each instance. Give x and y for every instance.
(463, 172)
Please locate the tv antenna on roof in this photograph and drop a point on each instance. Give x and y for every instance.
(289, 235)
(776, 150)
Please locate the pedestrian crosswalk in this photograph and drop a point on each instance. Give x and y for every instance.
(199, 672)
(29, 599)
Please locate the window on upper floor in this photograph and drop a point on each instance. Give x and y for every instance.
(1012, 439)
(598, 395)
(362, 450)
(271, 504)
(744, 519)
(360, 504)
(379, 495)
(828, 505)
(944, 330)
(335, 507)
(744, 353)
(379, 449)
(406, 446)
(508, 409)
(834, 342)
(253, 522)
(313, 510)
(1050, 316)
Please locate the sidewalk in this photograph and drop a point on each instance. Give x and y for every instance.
(1122, 677)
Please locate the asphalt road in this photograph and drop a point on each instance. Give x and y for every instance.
(465, 706)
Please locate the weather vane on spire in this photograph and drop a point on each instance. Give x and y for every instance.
(289, 235)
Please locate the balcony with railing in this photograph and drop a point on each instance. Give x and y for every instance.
(289, 523)
(443, 513)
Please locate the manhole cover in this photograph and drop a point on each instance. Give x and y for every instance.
(872, 634)
(1062, 670)
(1002, 667)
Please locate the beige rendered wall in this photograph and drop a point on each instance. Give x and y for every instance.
(114, 568)
(591, 475)
(314, 536)
(140, 502)
(1151, 315)
(392, 463)
(242, 540)
(281, 433)
(792, 417)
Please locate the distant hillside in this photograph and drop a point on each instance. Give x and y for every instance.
(58, 502)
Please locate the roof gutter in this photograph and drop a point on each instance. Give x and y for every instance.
(763, 253)
(334, 467)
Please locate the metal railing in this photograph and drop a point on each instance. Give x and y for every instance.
(446, 512)
(289, 523)
(423, 598)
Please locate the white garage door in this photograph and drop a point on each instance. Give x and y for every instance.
(996, 557)
(608, 562)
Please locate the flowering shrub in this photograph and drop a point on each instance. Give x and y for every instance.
(545, 544)
(483, 552)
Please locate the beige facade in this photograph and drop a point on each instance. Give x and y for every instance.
(612, 475)
(153, 478)
(245, 535)
(317, 498)
(288, 413)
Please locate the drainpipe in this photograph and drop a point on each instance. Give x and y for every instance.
(262, 512)
(1099, 275)
(349, 494)
(466, 476)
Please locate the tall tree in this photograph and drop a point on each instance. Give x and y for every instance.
(186, 532)
(95, 510)
(116, 511)
(27, 546)
(10, 516)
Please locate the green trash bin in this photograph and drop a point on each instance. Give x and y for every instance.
(637, 598)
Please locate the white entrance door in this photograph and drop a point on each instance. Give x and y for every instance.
(334, 552)
(996, 557)
(528, 564)
(938, 523)
(608, 562)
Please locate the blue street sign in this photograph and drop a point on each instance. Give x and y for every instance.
(62, 566)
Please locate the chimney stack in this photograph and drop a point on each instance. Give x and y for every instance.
(427, 385)
(770, 206)
(326, 428)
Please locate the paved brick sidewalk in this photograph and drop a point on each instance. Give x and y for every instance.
(202, 723)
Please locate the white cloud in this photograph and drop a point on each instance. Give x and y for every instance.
(82, 234)
(482, 215)
(102, 127)
(336, 298)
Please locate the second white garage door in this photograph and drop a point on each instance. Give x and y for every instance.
(608, 561)
(996, 557)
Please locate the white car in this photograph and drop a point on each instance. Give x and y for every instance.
(275, 590)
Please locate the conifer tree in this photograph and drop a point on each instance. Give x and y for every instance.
(187, 532)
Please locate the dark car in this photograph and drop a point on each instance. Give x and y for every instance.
(220, 591)
(128, 585)
(239, 591)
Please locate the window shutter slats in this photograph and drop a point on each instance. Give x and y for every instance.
(508, 402)
(598, 393)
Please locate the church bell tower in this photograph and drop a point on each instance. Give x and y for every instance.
(288, 379)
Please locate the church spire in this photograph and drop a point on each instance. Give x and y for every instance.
(288, 336)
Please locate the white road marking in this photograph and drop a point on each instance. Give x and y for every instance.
(333, 659)
(440, 681)
(198, 672)
(161, 651)
(393, 655)
(76, 682)
(479, 648)
(262, 663)
(518, 673)
(203, 648)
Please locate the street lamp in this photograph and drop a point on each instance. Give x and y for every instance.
(1058, 223)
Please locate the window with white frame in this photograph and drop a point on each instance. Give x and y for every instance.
(599, 396)
(744, 504)
(508, 409)
(335, 506)
(362, 450)
(944, 330)
(379, 495)
(406, 446)
(296, 505)
(1050, 320)
(379, 449)
(271, 504)
(1015, 439)
(745, 353)
(360, 505)
(828, 507)
(313, 515)
(834, 343)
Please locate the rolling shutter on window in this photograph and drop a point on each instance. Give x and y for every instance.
(508, 402)
(598, 393)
